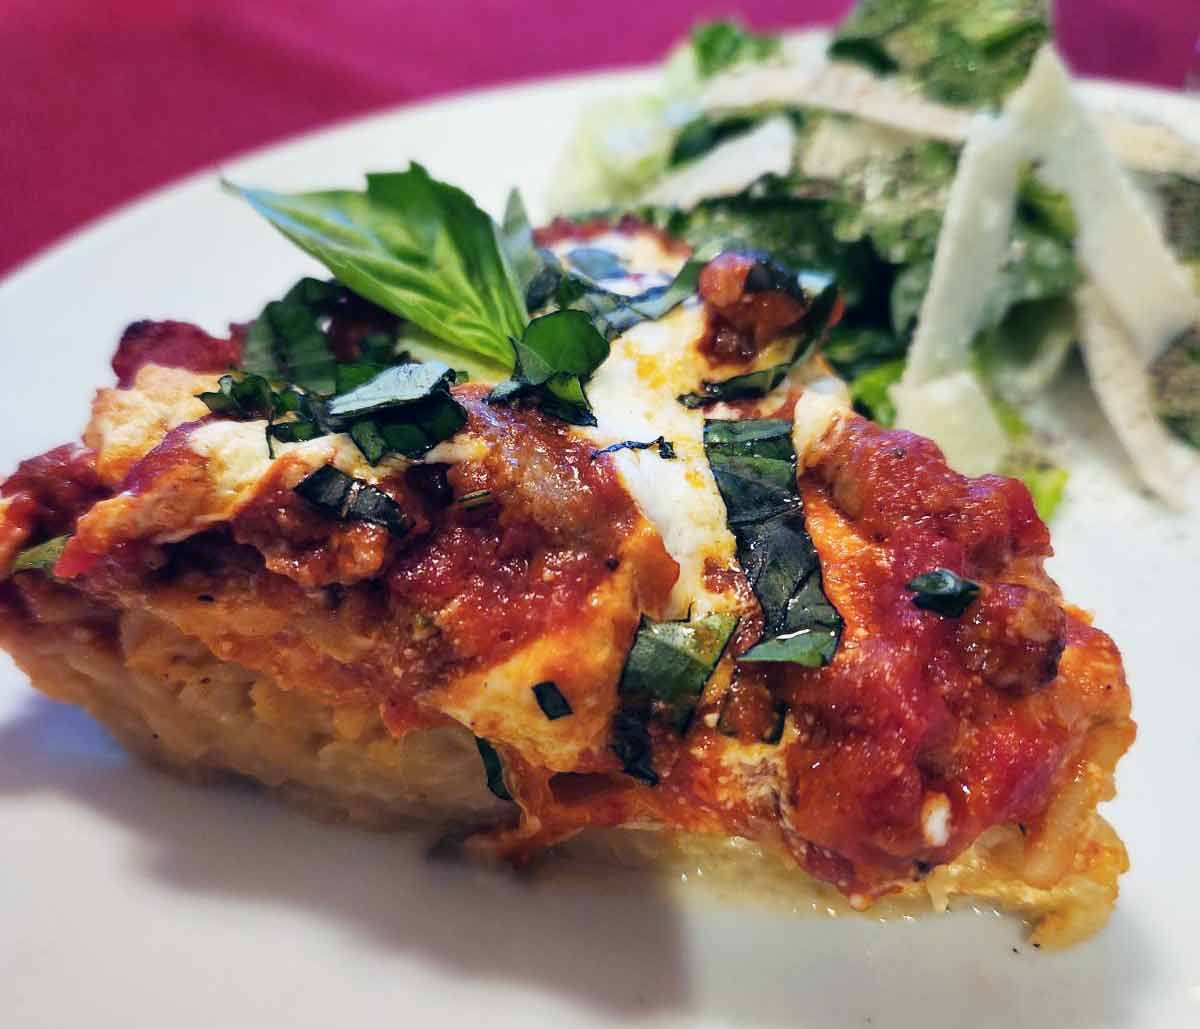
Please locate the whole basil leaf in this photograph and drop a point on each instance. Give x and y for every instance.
(415, 246)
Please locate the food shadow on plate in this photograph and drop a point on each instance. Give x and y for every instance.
(622, 949)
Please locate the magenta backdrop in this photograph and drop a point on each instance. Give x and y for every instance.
(99, 102)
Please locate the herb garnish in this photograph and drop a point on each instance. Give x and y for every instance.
(415, 246)
(666, 449)
(556, 355)
(350, 499)
(596, 263)
(943, 592)
(40, 558)
(754, 465)
(493, 768)
(407, 409)
(288, 342)
(476, 500)
(553, 704)
(631, 743)
(670, 662)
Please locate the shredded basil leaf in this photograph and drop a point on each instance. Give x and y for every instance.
(350, 499)
(596, 263)
(670, 662)
(755, 469)
(407, 408)
(415, 246)
(476, 500)
(666, 449)
(493, 768)
(553, 704)
(943, 592)
(556, 354)
(40, 558)
(631, 743)
(249, 397)
(287, 340)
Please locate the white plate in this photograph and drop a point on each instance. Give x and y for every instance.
(128, 899)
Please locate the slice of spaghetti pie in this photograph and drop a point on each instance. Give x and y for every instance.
(700, 598)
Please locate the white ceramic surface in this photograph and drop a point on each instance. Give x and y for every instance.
(128, 899)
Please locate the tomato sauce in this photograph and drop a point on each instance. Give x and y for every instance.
(173, 345)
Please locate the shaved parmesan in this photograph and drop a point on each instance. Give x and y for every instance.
(1123, 388)
(955, 413)
(731, 167)
(971, 248)
(1118, 242)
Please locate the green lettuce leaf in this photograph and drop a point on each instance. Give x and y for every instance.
(720, 45)
(969, 52)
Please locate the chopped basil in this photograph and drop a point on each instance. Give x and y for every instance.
(287, 340)
(407, 409)
(754, 465)
(493, 768)
(943, 592)
(596, 263)
(615, 313)
(350, 499)
(740, 387)
(666, 449)
(350, 376)
(415, 246)
(553, 704)
(670, 662)
(392, 388)
(556, 354)
(477, 500)
(41, 558)
(631, 743)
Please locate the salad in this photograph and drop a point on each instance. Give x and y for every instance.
(935, 160)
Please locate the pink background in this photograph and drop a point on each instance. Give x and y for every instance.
(100, 102)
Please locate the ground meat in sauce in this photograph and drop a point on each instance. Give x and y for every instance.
(498, 576)
(173, 345)
(742, 322)
(1012, 637)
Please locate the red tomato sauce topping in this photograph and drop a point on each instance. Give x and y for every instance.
(173, 345)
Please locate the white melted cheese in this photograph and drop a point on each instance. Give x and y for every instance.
(633, 395)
